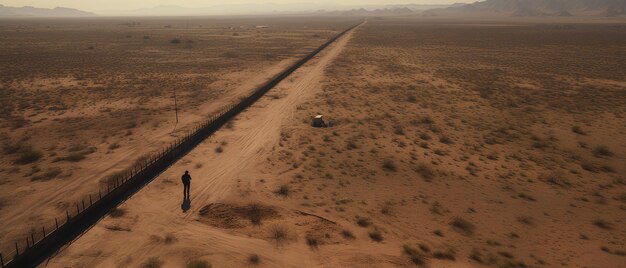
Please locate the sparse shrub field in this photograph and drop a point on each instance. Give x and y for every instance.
(493, 144)
(467, 133)
(83, 99)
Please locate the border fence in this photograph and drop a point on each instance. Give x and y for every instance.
(42, 243)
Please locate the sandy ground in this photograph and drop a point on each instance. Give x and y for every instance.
(88, 98)
(155, 212)
(450, 146)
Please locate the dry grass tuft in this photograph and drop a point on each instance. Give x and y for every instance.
(198, 264)
(28, 155)
(602, 151)
(462, 226)
(363, 222)
(279, 233)
(254, 259)
(347, 234)
(603, 224)
(153, 262)
(376, 235)
(283, 190)
(389, 165)
(417, 257)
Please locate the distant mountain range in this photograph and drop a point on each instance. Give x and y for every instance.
(28, 11)
(386, 11)
(273, 8)
(522, 8)
(532, 8)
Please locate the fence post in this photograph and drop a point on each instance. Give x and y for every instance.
(67, 213)
(17, 249)
(99, 194)
(83, 201)
(77, 209)
(43, 230)
(90, 201)
(32, 237)
(1, 260)
(56, 222)
(27, 243)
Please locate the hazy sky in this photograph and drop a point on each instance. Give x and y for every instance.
(97, 5)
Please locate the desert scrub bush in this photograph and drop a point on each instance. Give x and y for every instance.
(219, 149)
(425, 171)
(10, 148)
(153, 262)
(386, 209)
(254, 213)
(477, 256)
(283, 190)
(48, 175)
(426, 120)
(311, 241)
(436, 208)
(590, 167)
(526, 196)
(347, 234)
(603, 224)
(462, 226)
(376, 235)
(445, 254)
(114, 146)
(230, 124)
(28, 155)
(175, 41)
(555, 178)
(602, 151)
(17, 122)
(526, 220)
(506, 254)
(362, 221)
(170, 239)
(539, 144)
(351, 145)
(445, 140)
(254, 259)
(398, 130)
(279, 233)
(198, 264)
(389, 165)
(578, 130)
(117, 212)
(416, 256)
(74, 157)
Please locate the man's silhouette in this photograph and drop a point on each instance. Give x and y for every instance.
(187, 183)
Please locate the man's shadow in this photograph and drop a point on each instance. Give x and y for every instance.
(186, 204)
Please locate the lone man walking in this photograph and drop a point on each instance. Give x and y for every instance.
(187, 183)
